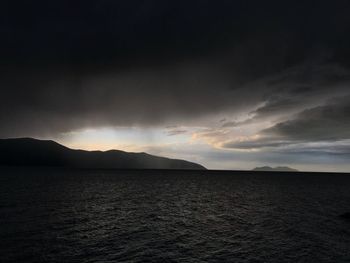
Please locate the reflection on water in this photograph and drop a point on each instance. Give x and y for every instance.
(170, 216)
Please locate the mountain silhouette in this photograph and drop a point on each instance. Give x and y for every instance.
(33, 152)
(275, 169)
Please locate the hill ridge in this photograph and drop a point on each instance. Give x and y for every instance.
(34, 152)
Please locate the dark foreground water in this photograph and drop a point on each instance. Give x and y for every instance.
(163, 216)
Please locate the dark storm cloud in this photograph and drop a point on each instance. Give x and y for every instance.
(103, 31)
(322, 123)
(72, 64)
(326, 128)
(53, 102)
(295, 89)
(273, 106)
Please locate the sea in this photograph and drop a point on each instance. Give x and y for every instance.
(71, 215)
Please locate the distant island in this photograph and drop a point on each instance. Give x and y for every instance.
(275, 169)
(33, 152)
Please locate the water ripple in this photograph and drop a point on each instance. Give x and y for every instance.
(157, 216)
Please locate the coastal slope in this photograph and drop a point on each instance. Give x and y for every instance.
(33, 152)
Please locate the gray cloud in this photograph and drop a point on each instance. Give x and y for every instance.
(327, 122)
(255, 144)
(176, 132)
(319, 130)
(55, 101)
(132, 63)
(39, 102)
(293, 90)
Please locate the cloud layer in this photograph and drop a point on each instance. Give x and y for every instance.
(238, 75)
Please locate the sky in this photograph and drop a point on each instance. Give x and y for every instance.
(227, 84)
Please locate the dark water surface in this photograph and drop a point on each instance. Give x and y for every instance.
(49, 215)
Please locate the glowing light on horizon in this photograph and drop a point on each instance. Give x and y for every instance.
(121, 138)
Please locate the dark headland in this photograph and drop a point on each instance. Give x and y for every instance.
(33, 152)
